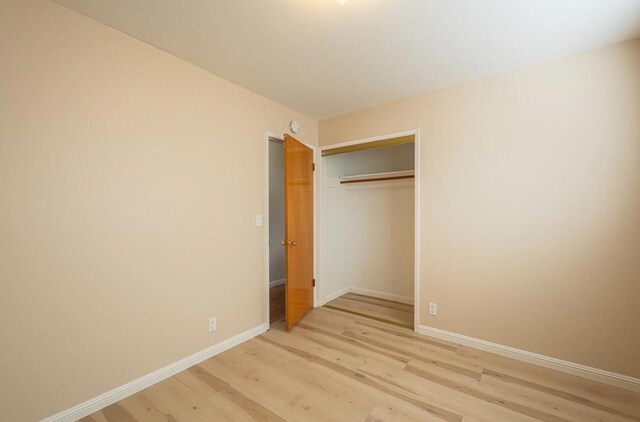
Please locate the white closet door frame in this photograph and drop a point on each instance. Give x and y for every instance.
(322, 195)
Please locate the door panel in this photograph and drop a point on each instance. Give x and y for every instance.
(298, 230)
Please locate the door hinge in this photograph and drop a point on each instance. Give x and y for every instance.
(314, 282)
(313, 166)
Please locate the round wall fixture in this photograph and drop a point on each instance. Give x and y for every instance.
(295, 126)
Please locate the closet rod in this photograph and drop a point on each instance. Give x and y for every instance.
(379, 179)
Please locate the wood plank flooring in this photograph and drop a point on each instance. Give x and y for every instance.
(338, 365)
(276, 304)
(389, 311)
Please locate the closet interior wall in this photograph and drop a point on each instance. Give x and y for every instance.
(369, 226)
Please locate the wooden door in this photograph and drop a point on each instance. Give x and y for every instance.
(298, 230)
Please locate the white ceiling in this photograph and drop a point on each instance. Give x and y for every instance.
(324, 59)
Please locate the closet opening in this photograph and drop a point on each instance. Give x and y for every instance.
(368, 228)
(276, 231)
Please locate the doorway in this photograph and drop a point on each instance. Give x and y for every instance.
(276, 230)
(290, 231)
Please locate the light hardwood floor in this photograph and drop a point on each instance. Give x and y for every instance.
(276, 304)
(389, 311)
(339, 364)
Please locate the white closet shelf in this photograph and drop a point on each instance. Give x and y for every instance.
(378, 177)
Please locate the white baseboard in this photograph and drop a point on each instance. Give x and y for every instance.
(329, 297)
(381, 295)
(611, 378)
(275, 283)
(93, 405)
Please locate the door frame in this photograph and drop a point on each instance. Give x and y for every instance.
(321, 200)
(316, 297)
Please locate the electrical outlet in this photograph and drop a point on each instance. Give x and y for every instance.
(433, 308)
(212, 324)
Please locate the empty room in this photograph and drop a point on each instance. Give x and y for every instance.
(319, 210)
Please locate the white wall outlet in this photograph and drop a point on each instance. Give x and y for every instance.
(433, 308)
(212, 324)
(258, 220)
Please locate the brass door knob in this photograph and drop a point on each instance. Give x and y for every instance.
(293, 243)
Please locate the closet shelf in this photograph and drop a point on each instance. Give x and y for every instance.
(378, 177)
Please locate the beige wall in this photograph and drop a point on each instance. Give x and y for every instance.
(127, 178)
(530, 205)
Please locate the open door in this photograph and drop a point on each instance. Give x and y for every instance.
(298, 230)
